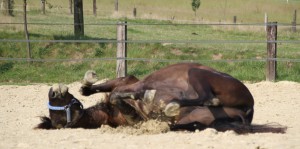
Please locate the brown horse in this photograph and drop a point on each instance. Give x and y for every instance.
(190, 96)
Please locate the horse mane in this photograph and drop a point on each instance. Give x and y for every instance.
(45, 124)
(106, 107)
(103, 105)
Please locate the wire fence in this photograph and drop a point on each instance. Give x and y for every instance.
(181, 42)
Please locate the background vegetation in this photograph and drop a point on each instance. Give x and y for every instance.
(227, 57)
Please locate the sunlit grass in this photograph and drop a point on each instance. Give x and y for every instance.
(247, 11)
(207, 51)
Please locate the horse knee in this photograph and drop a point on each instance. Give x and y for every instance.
(233, 114)
(114, 99)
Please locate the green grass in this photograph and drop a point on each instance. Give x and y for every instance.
(210, 10)
(22, 72)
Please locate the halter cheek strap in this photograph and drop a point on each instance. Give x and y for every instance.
(66, 108)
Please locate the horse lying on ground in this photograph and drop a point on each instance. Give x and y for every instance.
(190, 96)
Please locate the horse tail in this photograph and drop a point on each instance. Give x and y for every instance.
(45, 124)
(241, 128)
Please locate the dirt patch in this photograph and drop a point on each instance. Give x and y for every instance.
(217, 56)
(176, 52)
(21, 105)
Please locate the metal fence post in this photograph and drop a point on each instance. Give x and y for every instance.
(121, 49)
(271, 51)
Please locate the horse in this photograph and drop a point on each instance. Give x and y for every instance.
(189, 96)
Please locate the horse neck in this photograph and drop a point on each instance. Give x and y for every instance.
(100, 114)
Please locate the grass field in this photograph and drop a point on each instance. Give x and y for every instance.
(223, 56)
(247, 11)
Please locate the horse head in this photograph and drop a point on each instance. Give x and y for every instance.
(67, 112)
(64, 108)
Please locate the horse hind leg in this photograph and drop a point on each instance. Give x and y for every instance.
(199, 118)
(173, 108)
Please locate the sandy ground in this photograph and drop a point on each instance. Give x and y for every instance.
(20, 107)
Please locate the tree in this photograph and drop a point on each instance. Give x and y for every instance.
(195, 5)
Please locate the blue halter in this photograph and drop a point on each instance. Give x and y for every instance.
(66, 108)
(56, 108)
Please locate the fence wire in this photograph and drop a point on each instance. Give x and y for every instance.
(156, 24)
(148, 60)
(153, 41)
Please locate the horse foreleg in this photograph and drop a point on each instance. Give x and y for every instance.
(90, 78)
(146, 96)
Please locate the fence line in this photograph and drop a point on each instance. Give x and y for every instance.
(158, 24)
(124, 40)
(154, 41)
(146, 60)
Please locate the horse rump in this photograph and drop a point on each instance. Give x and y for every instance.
(241, 128)
(45, 124)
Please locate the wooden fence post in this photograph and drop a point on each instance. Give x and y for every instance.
(43, 6)
(26, 31)
(71, 6)
(134, 11)
(271, 69)
(78, 18)
(95, 7)
(234, 19)
(7, 7)
(294, 23)
(116, 5)
(121, 49)
(266, 21)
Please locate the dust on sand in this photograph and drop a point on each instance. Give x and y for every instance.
(21, 106)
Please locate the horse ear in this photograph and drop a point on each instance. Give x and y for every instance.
(59, 90)
(63, 89)
(90, 78)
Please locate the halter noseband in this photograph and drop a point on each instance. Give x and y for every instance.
(66, 108)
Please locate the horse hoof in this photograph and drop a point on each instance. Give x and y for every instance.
(149, 96)
(172, 109)
(90, 78)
